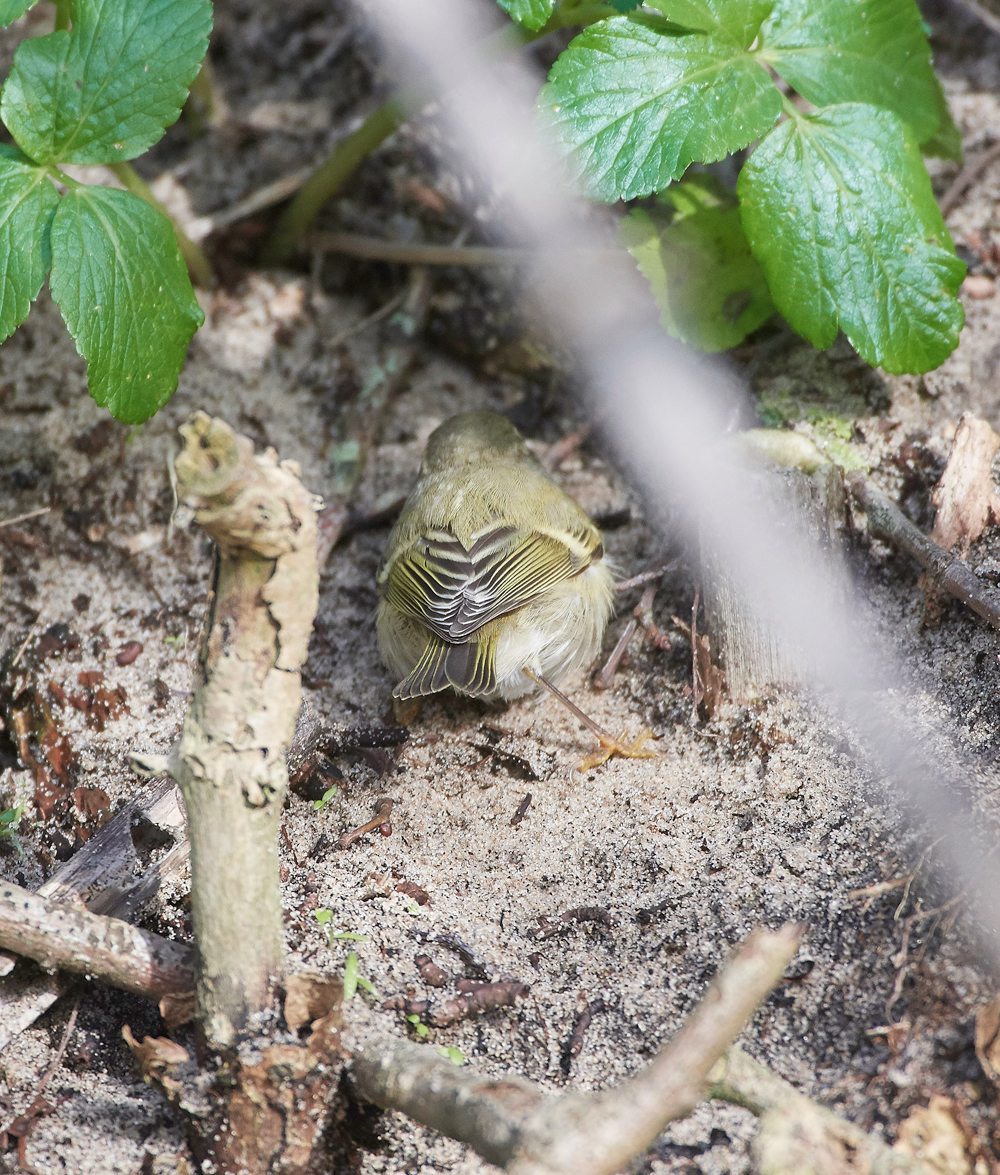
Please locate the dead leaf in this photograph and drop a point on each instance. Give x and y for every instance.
(988, 1039)
(931, 1134)
(155, 1054)
(412, 890)
(177, 1009)
(965, 499)
(91, 802)
(310, 997)
(708, 677)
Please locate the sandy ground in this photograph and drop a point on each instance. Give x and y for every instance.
(764, 815)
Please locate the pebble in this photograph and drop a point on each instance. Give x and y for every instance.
(979, 286)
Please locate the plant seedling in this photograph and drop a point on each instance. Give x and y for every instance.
(323, 917)
(353, 979)
(833, 220)
(418, 1026)
(456, 1056)
(9, 821)
(328, 795)
(100, 92)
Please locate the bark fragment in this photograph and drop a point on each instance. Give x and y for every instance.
(965, 499)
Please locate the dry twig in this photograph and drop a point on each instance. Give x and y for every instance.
(511, 1123)
(69, 939)
(382, 812)
(483, 997)
(605, 678)
(24, 517)
(946, 572)
(796, 1134)
(971, 172)
(377, 249)
(574, 1044)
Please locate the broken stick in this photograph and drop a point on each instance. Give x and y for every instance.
(65, 938)
(510, 1122)
(946, 572)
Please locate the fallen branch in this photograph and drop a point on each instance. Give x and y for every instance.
(796, 1134)
(946, 573)
(65, 938)
(100, 874)
(510, 1122)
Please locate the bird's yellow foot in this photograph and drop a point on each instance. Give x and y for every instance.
(618, 746)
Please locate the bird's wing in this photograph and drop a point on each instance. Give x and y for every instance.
(454, 590)
(469, 667)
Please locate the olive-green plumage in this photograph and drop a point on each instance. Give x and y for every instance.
(490, 570)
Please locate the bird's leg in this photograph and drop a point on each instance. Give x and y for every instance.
(609, 744)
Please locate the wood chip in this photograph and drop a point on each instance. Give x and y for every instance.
(965, 499)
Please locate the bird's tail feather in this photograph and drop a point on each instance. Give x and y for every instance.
(469, 667)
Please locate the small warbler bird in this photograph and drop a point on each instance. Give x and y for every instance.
(493, 580)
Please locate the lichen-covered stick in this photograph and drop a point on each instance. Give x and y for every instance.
(231, 760)
(71, 939)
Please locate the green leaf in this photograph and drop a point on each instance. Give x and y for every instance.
(9, 818)
(350, 976)
(347, 936)
(323, 915)
(625, 5)
(11, 10)
(634, 100)
(124, 292)
(838, 209)
(27, 203)
(456, 1056)
(106, 90)
(328, 795)
(368, 986)
(874, 51)
(533, 14)
(946, 142)
(709, 287)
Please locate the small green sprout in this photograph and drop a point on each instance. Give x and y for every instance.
(413, 908)
(323, 917)
(179, 640)
(328, 795)
(456, 1056)
(421, 1028)
(353, 979)
(9, 821)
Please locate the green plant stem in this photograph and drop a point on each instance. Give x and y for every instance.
(333, 173)
(198, 264)
(62, 15)
(328, 178)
